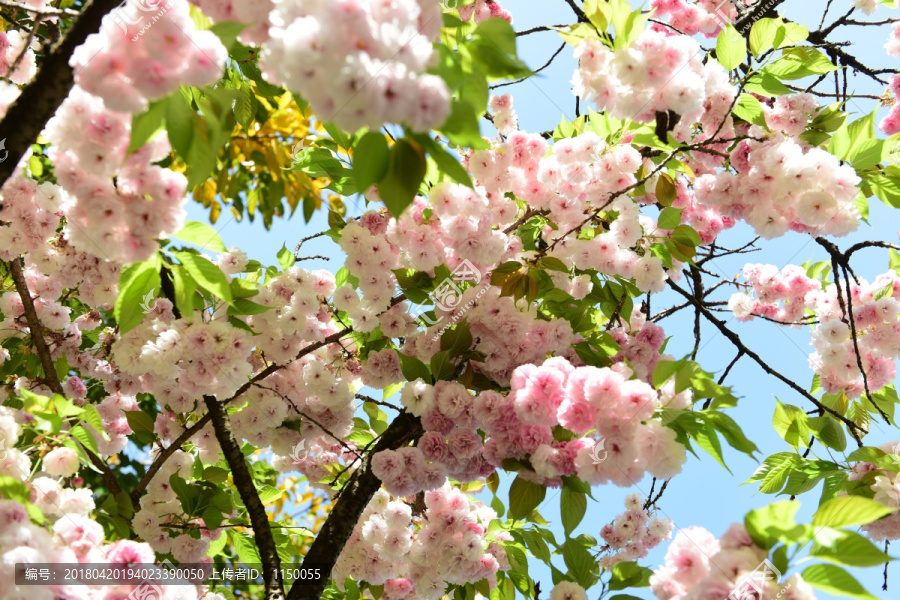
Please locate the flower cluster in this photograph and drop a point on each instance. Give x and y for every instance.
(636, 82)
(255, 13)
(74, 538)
(639, 343)
(451, 445)
(633, 533)
(891, 123)
(481, 10)
(505, 119)
(893, 44)
(181, 361)
(699, 566)
(791, 113)
(359, 63)
(160, 507)
(782, 184)
(708, 17)
(784, 296)
(114, 220)
(577, 179)
(886, 485)
(127, 73)
(451, 545)
(13, 47)
(31, 214)
(582, 400)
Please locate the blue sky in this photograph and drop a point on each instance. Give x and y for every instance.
(704, 494)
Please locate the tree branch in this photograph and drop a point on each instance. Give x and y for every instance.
(243, 481)
(345, 513)
(852, 427)
(43, 351)
(763, 9)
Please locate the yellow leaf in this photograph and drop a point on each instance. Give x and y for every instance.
(205, 193)
(214, 212)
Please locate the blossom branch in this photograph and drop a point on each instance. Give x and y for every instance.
(43, 351)
(243, 481)
(325, 549)
(854, 429)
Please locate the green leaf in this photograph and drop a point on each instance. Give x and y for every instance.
(446, 162)
(457, 339)
(180, 123)
(666, 192)
(371, 158)
(762, 35)
(887, 189)
(828, 430)
(629, 574)
(135, 282)
(285, 258)
(835, 580)
(524, 497)
(792, 424)
(669, 218)
(463, 127)
(579, 561)
(145, 125)
(92, 418)
(766, 84)
(228, 31)
(767, 526)
(492, 47)
(572, 506)
(139, 421)
(85, 437)
(774, 471)
(207, 275)
(413, 368)
(245, 107)
(201, 234)
(845, 511)
(246, 548)
(269, 494)
(406, 171)
(731, 48)
(441, 367)
(749, 108)
(242, 306)
(215, 474)
(185, 291)
(846, 548)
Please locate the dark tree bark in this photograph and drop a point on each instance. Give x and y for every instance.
(346, 511)
(243, 481)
